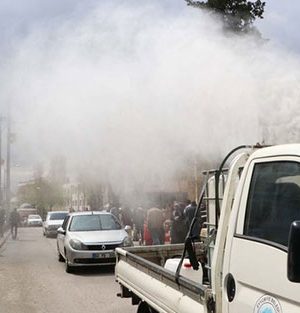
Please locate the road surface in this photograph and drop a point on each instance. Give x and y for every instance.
(33, 281)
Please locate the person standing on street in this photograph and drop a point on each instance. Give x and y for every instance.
(155, 220)
(14, 220)
(2, 221)
(138, 220)
(189, 213)
(179, 227)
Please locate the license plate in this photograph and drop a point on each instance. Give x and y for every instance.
(101, 255)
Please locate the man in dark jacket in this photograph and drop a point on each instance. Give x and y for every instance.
(179, 227)
(189, 213)
(14, 220)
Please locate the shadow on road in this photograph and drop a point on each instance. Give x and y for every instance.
(106, 270)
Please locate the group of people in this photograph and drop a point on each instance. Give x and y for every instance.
(152, 226)
(14, 221)
(178, 218)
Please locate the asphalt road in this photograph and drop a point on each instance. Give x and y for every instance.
(33, 281)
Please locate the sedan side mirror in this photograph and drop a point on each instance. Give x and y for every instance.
(61, 231)
(294, 253)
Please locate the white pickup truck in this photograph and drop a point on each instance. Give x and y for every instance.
(251, 256)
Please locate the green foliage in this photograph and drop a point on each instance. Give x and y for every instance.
(92, 188)
(42, 194)
(238, 15)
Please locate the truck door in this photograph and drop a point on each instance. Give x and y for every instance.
(255, 280)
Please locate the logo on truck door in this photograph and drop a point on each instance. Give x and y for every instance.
(267, 304)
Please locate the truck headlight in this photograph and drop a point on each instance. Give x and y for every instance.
(127, 242)
(77, 245)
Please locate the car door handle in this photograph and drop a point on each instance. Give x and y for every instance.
(230, 287)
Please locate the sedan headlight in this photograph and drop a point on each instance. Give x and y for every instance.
(77, 245)
(127, 242)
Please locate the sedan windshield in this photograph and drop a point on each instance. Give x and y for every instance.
(58, 216)
(94, 223)
(34, 217)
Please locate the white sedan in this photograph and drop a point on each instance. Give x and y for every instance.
(34, 220)
(90, 238)
(53, 221)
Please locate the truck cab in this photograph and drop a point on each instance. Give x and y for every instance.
(252, 248)
(255, 273)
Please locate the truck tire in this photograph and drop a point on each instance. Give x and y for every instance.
(144, 308)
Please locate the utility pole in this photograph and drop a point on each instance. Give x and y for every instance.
(196, 178)
(1, 192)
(8, 139)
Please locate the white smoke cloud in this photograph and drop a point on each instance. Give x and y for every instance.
(130, 91)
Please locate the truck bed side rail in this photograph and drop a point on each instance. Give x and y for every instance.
(184, 285)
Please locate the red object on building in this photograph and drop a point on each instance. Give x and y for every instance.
(147, 236)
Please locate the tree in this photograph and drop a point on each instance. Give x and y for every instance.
(41, 193)
(238, 15)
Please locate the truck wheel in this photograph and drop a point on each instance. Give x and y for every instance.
(144, 308)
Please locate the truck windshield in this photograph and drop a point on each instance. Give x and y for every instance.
(94, 223)
(273, 201)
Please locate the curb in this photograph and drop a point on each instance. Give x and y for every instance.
(4, 238)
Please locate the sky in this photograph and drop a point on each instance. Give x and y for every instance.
(137, 87)
(280, 24)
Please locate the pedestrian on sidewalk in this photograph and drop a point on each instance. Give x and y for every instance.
(14, 220)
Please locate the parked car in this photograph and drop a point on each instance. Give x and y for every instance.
(53, 221)
(90, 238)
(34, 220)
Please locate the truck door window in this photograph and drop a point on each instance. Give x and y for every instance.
(273, 201)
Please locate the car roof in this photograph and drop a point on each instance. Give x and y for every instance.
(52, 212)
(90, 213)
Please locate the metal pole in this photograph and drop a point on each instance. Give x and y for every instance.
(8, 162)
(196, 178)
(1, 197)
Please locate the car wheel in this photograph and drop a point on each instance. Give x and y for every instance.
(60, 257)
(69, 268)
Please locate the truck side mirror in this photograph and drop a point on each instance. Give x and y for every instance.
(293, 264)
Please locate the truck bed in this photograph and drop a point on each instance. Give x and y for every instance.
(140, 272)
